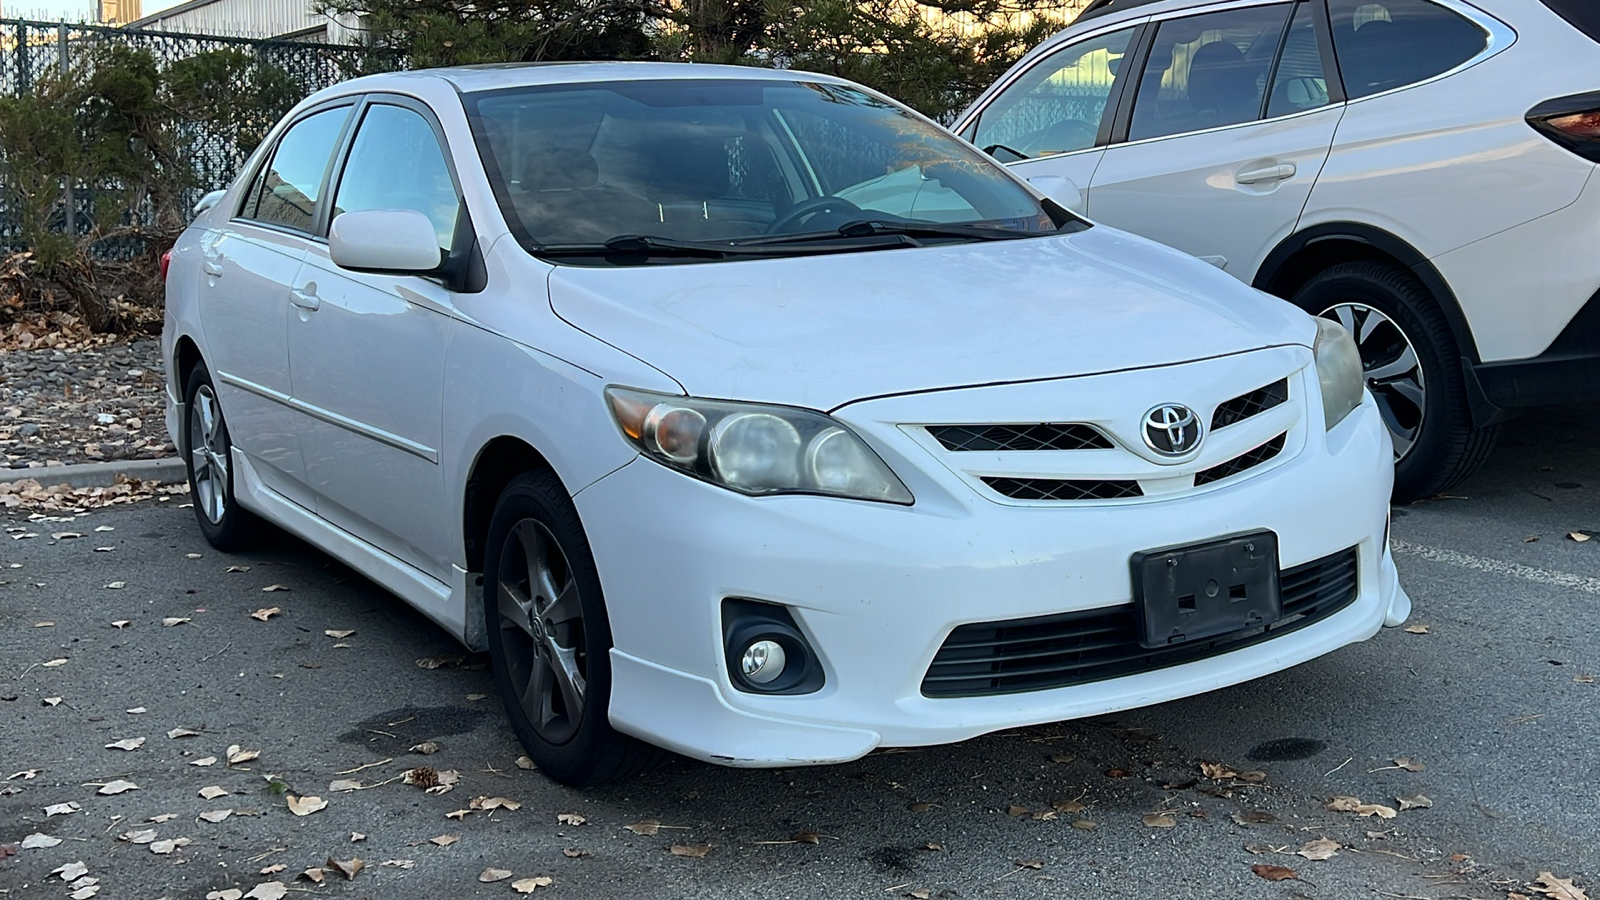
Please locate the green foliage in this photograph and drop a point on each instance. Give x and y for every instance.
(233, 93)
(464, 32)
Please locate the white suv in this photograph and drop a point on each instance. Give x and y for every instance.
(1420, 170)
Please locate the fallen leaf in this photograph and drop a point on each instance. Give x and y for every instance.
(1415, 801)
(1158, 820)
(56, 701)
(1030, 863)
(1015, 810)
(164, 817)
(54, 663)
(1583, 679)
(458, 814)
(314, 875)
(571, 819)
(273, 869)
(85, 892)
(1409, 764)
(1253, 817)
(1064, 805)
(1321, 848)
(1117, 773)
(216, 815)
(170, 621)
(273, 588)
(574, 853)
(265, 613)
(71, 871)
(529, 885)
(492, 803)
(61, 809)
(44, 624)
(204, 761)
(919, 807)
(237, 755)
(162, 848)
(191, 556)
(357, 837)
(1083, 825)
(1062, 757)
(1043, 815)
(25, 774)
(225, 894)
(1416, 629)
(136, 711)
(647, 828)
(121, 623)
(399, 863)
(1375, 809)
(212, 792)
(126, 744)
(444, 840)
(439, 662)
(426, 748)
(525, 763)
(339, 634)
(489, 876)
(349, 868)
(38, 841)
(305, 806)
(1343, 804)
(919, 893)
(473, 698)
(342, 785)
(1217, 771)
(1578, 536)
(116, 787)
(1558, 888)
(237, 569)
(267, 890)
(1274, 873)
(117, 585)
(182, 733)
(693, 851)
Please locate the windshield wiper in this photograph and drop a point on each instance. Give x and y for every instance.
(648, 246)
(868, 228)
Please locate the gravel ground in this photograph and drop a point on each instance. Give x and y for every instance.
(77, 406)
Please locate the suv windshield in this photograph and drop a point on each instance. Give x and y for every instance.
(742, 167)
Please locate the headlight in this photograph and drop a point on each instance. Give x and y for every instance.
(754, 449)
(1338, 370)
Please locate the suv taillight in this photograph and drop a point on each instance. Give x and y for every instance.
(1573, 122)
(166, 263)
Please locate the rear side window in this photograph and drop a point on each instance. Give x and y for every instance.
(1392, 43)
(1056, 107)
(1583, 14)
(1207, 71)
(285, 191)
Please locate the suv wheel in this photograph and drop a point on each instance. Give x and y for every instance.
(550, 639)
(208, 451)
(1412, 369)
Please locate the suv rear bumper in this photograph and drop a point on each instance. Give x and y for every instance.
(1568, 372)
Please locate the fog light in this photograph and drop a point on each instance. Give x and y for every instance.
(763, 661)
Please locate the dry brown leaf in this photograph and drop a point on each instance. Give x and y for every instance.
(117, 585)
(268, 890)
(273, 869)
(54, 663)
(458, 814)
(439, 662)
(170, 621)
(236, 569)
(1061, 757)
(126, 744)
(265, 613)
(339, 634)
(349, 868)
(1415, 801)
(225, 894)
(305, 806)
(1253, 817)
(138, 836)
(1274, 873)
(1319, 849)
(238, 755)
(1558, 888)
(919, 893)
(1065, 805)
(1409, 764)
(489, 876)
(136, 711)
(693, 851)
(162, 848)
(56, 701)
(116, 787)
(341, 785)
(444, 840)
(806, 837)
(1344, 804)
(492, 803)
(1583, 679)
(919, 807)
(1029, 863)
(41, 841)
(1083, 825)
(426, 748)
(121, 623)
(61, 809)
(164, 817)
(1043, 815)
(315, 874)
(212, 792)
(71, 871)
(1375, 809)
(571, 818)
(1578, 536)
(1158, 820)
(357, 837)
(525, 763)
(216, 815)
(529, 885)
(1416, 629)
(273, 588)
(574, 853)
(1015, 810)
(647, 827)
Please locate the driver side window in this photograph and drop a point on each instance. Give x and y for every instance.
(1056, 106)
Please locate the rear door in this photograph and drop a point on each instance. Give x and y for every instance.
(1230, 126)
(369, 350)
(249, 269)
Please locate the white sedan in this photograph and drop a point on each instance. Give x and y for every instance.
(749, 415)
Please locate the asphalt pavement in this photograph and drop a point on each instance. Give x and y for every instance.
(1494, 706)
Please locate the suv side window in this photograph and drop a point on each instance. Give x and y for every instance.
(286, 190)
(1207, 71)
(396, 163)
(1384, 44)
(1299, 84)
(1056, 106)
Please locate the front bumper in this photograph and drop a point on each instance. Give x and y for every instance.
(877, 588)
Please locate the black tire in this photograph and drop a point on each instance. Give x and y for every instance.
(536, 539)
(1436, 444)
(226, 525)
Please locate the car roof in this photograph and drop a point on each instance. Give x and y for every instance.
(495, 76)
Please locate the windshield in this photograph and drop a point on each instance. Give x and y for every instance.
(730, 162)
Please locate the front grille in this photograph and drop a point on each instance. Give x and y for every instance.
(1044, 436)
(1243, 461)
(1077, 648)
(1246, 405)
(1059, 489)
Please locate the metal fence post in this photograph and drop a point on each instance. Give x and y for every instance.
(64, 62)
(23, 72)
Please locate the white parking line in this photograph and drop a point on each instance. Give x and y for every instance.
(1496, 567)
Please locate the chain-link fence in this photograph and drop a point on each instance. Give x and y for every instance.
(32, 53)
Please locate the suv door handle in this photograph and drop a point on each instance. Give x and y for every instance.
(1266, 173)
(213, 265)
(305, 298)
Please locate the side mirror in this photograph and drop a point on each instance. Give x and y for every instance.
(208, 201)
(1061, 189)
(384, 240)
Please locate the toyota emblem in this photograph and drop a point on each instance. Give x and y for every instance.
(1171, 429)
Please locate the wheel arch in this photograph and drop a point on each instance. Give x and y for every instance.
(185, 356)
(499, 461)
(1303, 254)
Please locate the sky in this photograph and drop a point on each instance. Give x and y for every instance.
(71, 10)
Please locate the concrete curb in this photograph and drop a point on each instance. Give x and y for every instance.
(169, 471)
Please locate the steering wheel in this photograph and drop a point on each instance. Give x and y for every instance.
(808, 208)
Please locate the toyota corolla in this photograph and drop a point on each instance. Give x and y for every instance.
(752, 416)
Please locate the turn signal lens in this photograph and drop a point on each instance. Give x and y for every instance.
(1580, 125)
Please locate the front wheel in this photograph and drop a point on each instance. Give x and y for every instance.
(550, 639)
(1413, 370)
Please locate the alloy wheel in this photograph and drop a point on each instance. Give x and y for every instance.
(541, 630)
(1390, 365)
(208, 454)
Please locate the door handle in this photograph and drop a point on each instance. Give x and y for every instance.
(1266, 173)
(306, 298)
(213, 265)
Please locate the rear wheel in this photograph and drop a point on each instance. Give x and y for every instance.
(1413, 370)
(550, 639)
(208, 450)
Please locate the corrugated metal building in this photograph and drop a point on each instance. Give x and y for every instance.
(283, 19)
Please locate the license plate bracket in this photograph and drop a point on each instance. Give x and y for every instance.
(1190, 593)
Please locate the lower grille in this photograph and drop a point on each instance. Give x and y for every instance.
(1044, 652)
(1243, 461)
(1058, 489)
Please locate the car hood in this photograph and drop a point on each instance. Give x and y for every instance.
(823, 331)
